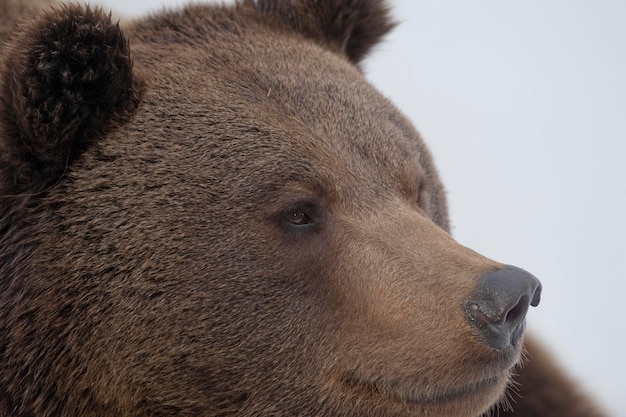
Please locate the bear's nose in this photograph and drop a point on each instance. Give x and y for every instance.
(497, 307)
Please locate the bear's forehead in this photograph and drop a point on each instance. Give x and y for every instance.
(290, 107)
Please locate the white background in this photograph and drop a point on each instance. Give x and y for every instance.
(523, 104)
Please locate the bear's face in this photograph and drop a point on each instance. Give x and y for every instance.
(242, 225)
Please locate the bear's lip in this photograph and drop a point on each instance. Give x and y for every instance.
(407, 394)
(453, 394)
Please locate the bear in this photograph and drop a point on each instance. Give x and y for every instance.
(210, 212)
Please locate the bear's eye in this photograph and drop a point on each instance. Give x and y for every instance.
(298, 217)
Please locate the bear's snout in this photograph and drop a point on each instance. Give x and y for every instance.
(497, 307)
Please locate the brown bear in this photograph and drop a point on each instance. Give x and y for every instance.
(213, 213)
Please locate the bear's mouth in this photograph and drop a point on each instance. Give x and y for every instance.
(410, 394)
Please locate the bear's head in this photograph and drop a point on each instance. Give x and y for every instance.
(230, 220)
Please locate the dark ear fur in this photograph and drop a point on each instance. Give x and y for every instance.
(351, 27)
(64, 78)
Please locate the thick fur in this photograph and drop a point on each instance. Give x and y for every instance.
(12, 11)
(350, 27)
(229, 220)
(64, 81)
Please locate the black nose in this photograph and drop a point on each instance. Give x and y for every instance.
(498, 305)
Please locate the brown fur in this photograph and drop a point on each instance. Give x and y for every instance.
(154, 271)
(64, 82)
(12, 11)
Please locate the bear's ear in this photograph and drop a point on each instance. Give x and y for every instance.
(64, 78)
(351, 27)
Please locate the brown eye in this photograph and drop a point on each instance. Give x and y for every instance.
(298, 217)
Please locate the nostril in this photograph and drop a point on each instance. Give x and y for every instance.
(498, 306)
(518, 312)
